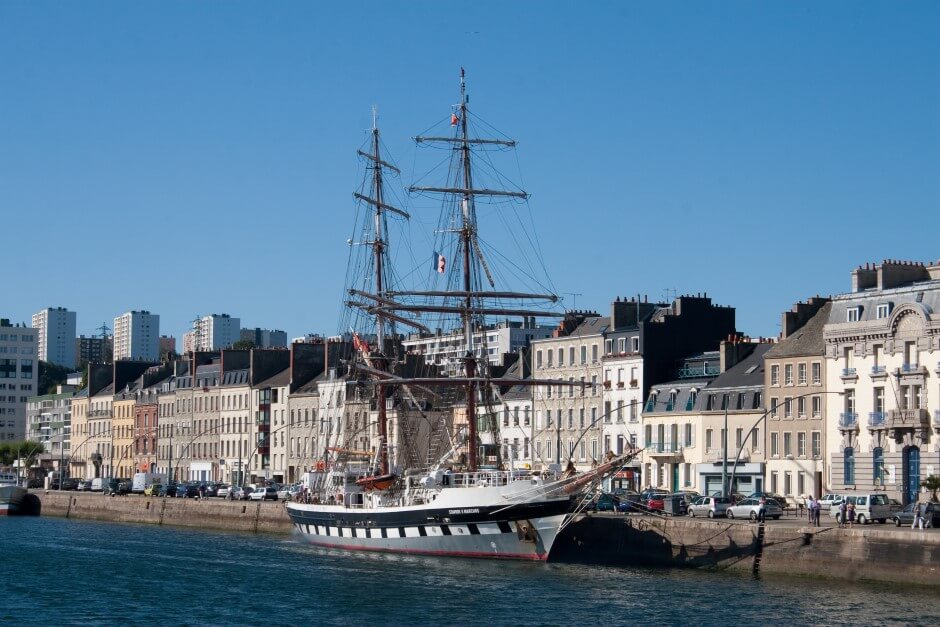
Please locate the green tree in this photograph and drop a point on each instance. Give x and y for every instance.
(932, 483)
(11, 451)
(243, 345)
(51, 375)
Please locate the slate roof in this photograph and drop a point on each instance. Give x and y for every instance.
(235, 377)
(805, 341)
(746, 373)
(279, 380)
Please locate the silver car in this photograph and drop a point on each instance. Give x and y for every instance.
(748, 509)
(711, 506)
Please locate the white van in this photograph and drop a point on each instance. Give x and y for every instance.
(98, 484)
(868, 507)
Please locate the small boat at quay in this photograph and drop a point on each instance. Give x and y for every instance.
(11, 494)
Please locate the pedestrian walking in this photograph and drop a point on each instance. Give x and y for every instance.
(851, 513)
(918, 517)
(843, 513)
(762, 510)
(817, 506)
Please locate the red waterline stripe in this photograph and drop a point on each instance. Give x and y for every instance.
(516, 556)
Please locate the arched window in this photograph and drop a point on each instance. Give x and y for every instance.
(878, 466)
(848, 466)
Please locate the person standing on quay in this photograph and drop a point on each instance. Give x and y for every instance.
(843, 512)
(918, 516)
(762, 510)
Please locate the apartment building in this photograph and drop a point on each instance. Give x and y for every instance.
(881, 367)
(137, 336)
(264, 338)
(49, 420)
(55, 330)
(215, 332)
(795, 393)
(567, 416)
(19, 375)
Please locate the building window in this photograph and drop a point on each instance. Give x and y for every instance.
(801, 374)
(773, 407)
(882, 311)
(788, 374)
(622, 345)
(787, 482)
(853, 314)
(817, 373)
(773, 482)
(878, 465)
(815, 440)
(608, 347)
(787, 407)
(594, 353)
(801, 444)
(775, 375)
(801, 407)
(817, 406)
(583, 355)
(787, 444)
(708, 438)
(561, 357)
(688, 434)
(635, 344)
(538, 359)
(550, 354)
(848, 466)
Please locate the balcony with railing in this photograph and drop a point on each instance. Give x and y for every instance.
(911, 370)
(877, 420)
(849, 374)
(879, 372)
(908, 418)
(716, 455)
(848, 420)
(691, 372)
(664, 449)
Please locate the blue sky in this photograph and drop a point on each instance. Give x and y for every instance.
(189, 158)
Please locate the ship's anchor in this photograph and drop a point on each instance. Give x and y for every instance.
(526, 531)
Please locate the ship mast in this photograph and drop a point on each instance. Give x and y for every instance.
(474, 264)
(379, 253)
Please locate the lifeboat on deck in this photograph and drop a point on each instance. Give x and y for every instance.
(381, 482)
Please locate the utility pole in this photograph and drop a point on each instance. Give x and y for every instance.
(724, 456)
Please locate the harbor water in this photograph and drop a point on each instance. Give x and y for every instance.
(60, 571)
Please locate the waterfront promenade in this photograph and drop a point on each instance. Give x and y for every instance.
(786, 547)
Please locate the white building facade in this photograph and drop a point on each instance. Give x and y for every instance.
(19, 374)
(882, 345)
(137, 336)
(215, 332)
(55, 330)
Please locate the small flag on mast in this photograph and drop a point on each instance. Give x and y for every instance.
(454, 119)
(440, 263)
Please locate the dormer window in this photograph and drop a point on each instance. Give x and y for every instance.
(883, 310)
(853, 314)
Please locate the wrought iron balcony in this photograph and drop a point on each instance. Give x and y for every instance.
(909, 368)
(879, 371)
(908, 418)
(849, 373)
(663, 448)
(848, 420)
(690, 372)
(876, 420)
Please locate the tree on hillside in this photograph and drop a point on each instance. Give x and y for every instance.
(51, 375)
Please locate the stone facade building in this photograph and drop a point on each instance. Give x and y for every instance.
(882, 344)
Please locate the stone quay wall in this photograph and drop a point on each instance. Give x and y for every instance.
(244, 516)
(873, 552)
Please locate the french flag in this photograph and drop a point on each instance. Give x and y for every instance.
(440, 263)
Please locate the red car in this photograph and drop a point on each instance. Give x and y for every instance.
(655, 502)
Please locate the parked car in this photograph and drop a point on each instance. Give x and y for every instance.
(828, 500)
(286, 493)
(116, 486)
(212, 489)
(606, 502)
(153, 489)
(187, 490)
(906, 515)
(84, 485)
(895, 505)
(222, 489)
(685, 499)
(268, 493)
(711, 506)
(749, 507)
(69, 484)
(242, 494)
(781, 500)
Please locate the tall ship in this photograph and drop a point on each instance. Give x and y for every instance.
(436, 479)
(11, 494)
